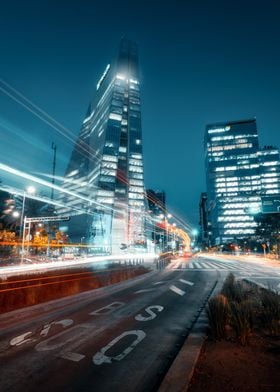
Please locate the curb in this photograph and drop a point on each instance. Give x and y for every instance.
(180, 373)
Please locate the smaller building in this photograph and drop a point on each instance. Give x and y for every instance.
(203, 238)
(157, 209)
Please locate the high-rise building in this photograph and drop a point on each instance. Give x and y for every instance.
(270, 179)
(233, 181)
(104, 178)
(239, 176)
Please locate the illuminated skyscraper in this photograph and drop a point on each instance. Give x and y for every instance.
(270, 179)
(106, 166)
(233, 181)
(239, 176)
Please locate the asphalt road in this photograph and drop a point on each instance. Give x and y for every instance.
(114, 339)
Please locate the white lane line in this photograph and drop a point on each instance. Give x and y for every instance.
(186, 282)
(190, 265)
(177, 290)
(197, 265)
(156, 283)
(278, 285)
(144, 291)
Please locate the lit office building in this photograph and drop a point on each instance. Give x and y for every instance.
(104, 178)
(233, 179)
(269, 158)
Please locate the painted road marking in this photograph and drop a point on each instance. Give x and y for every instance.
(100, 357)
(17, 341)
(153, 315)
(107, 309)
(144, 291)
(156, 283)
(74, 357)
(177, 290)
(186, 282)
(63, 338)
(191, 265)
(64, 323)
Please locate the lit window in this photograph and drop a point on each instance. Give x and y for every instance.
(135, 169)
(135, 196)
(110, 158)
(108, 172)
(110, 165)
(114, 116)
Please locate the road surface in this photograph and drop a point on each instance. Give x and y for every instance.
(120, 338)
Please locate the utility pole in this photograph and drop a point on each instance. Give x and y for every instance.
(53, 167)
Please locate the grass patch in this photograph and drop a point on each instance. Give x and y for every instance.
(241, 309)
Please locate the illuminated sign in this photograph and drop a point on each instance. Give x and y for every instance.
(219, 130)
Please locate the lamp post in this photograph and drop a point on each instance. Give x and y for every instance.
(165, 217)
(194, 233)
(30, 190)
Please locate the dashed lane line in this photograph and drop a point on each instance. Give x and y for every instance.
(186, 282)
(177, 290)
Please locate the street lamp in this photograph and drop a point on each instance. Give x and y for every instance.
(174, 232)
(29, 190)
(15, 214)
(165, 217)
(194, 233)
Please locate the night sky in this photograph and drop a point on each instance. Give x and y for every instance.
(201, 62)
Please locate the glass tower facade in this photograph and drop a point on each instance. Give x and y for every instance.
(233, 181)
(104, 178)
(270, 179)
(241, 179)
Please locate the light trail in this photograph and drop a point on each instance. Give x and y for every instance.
(66, 132)
(90, 260)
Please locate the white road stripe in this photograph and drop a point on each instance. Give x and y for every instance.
(186, 282)
(190, 265)
(144, 291)
(156, 283)
(211, 265)
(177, 290)
(197, 265)
(204, 265)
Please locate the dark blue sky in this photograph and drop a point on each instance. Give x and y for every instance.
(201, 62)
